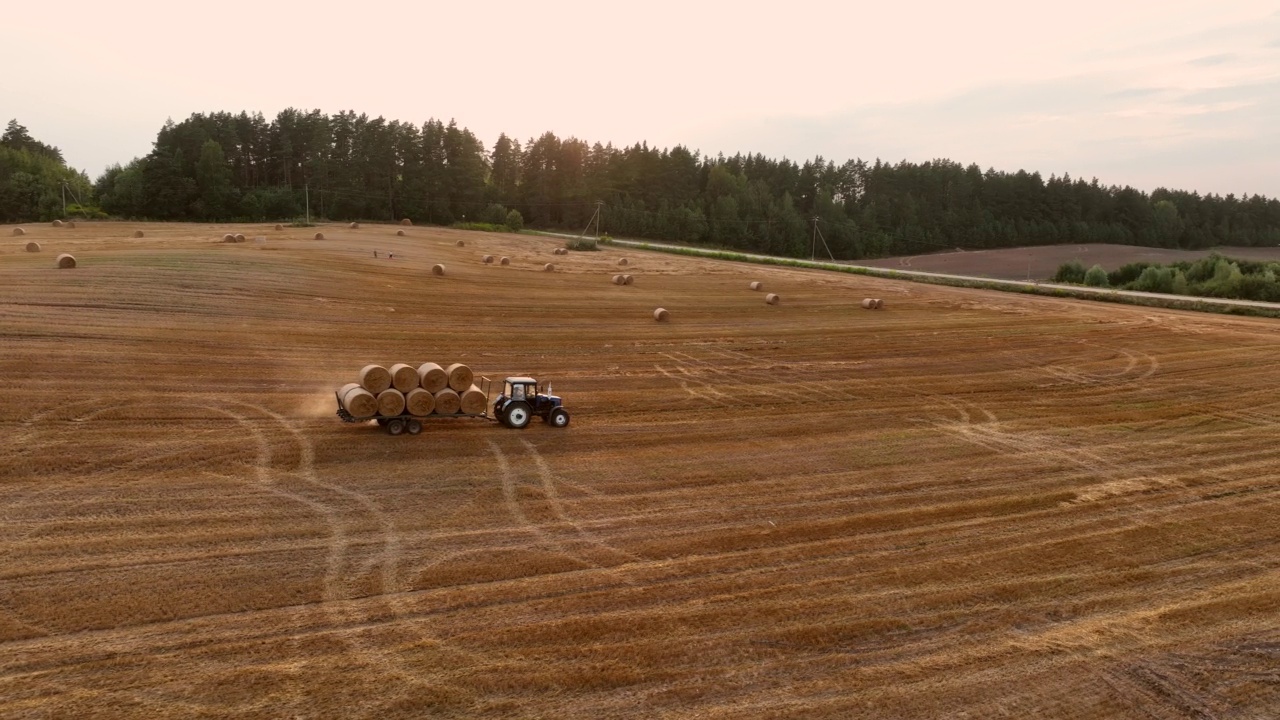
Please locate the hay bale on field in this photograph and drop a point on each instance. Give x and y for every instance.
(617, 280)
(390, 402)
(419, 402)
(279, 226)
(319, 236)
(771, 299)
(375, 378)
(487, 259)
(437, 270)
(406, 221)
(228, 238)
(33, 246)
(472, 401)
(72, 224)
(57, 223)
(757, 285)
(447, 402)
(549, 268)
(432, 377)
(460, 377)
(505, 261)
(354, 226)
(137, 233)
(66, 261)
(19, 232)
(399, 233)
(661, 315)
(879, 304)
(403, 377)
(358, 401)
(460, 244)
(868, 304)
(623, 262)
(240, 237)
(627, 279)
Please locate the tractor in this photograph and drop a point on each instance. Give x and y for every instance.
(522, 398)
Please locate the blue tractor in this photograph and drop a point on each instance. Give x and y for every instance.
(522, 398)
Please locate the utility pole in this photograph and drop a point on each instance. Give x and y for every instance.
(813, 244)
(64, 198)
(306, 190)
(599, 214)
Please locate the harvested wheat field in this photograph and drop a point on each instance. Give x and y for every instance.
(969, 504)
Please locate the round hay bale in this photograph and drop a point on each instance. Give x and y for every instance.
(879, 304)
(354, 226)
(228, 238)
(473, 401)
(72, 224)
(419, 402)
(771, 299)
(240, 237)
(390, 402)
(460, 244)
(400, 233)
(33, 246)
(505, 261)
(279, 227)
(623, 262)
(757, 285)
(617, 279)
(137, 233)
(661, 315)
(868, 304)
(347, 388)
(406, 221)
(447, 402)
(488, 259)
(403, 377)
(627, 279)
(375, 378)
(460, 377)
(19, 232)
(549, 268)
(57, 223)
(66, 261)
(437, 270)
(319, 236)
(359, 402)
(432, 377)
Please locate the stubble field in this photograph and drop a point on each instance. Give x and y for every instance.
(968, 504)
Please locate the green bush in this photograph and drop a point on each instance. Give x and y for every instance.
(515, 221)
(483, 227)
(1096, 277)
(1072, 272)
(581, 243)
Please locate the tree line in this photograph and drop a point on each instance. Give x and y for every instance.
(34, 178)
(348, 166)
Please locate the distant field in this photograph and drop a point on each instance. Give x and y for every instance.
(1040, 263)
(968, 504)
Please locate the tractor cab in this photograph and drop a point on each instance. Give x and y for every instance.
(524, 397)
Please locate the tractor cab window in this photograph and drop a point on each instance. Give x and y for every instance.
(517, 392)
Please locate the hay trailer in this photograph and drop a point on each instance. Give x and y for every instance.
(521, 398)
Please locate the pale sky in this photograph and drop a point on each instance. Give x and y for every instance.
(1176, 93)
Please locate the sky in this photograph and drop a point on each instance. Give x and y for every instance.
(1177, 93)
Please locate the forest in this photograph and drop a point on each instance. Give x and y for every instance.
(241, 166)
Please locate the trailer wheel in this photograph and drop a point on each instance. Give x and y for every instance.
(518, 415)
(415, 427)
(395, 426)
(558, 418)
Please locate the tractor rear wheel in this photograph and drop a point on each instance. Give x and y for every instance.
(395, 426)
(558, 418)
(517, 415)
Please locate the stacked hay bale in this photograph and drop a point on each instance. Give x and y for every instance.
(401, 389)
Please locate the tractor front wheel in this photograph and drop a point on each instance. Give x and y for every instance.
(558, 418)
(517, 415)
